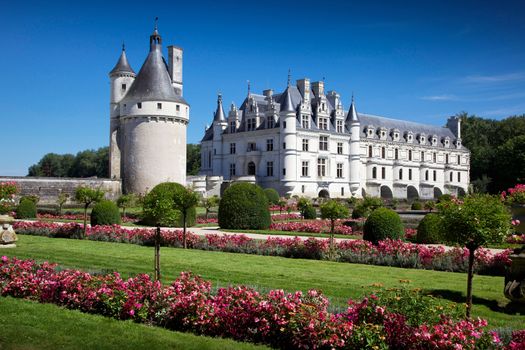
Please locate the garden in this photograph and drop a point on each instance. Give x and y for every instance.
(383, 290)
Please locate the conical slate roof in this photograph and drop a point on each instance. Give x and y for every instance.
(352, 117)
(122, 65)
(219, 114)
(286, 101)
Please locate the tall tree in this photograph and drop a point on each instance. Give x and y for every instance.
(193, 159)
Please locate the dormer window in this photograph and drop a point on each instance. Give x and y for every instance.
(305, 121)
(434, 140)
(409, 136)
(233, 126)
(422, 139)
(382, 133)
(370, 131)
(270, 123)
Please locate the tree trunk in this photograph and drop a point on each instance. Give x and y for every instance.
(206, 214)
(157, 254)
(85, 218)
(470, 276)
(184, 230)
(123, 212)
(332, 224)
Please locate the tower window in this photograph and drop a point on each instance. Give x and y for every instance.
(159, 105)
(123, 87)
(177, 108)
(446, 158)
(139, 105)
(434, 157)
(434, 176)
(400, 174)
(422, 156)
(426, 175)
(459, 159)
(284, 125)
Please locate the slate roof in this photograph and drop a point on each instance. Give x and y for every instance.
(122, 65)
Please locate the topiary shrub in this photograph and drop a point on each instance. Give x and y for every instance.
(105, 213)
(429, 229)
(26, 209)
(171, 217)
(272, 195)
(309, 212)
(416, 206)
(381, 224)
(360, 211)
(244, 206)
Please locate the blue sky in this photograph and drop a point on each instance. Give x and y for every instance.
(415, 60)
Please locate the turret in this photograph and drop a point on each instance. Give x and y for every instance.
(353, 124)
(219, 125)
(288, 120)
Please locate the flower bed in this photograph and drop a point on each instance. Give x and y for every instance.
(313, 226)
(49, 216)
(207, 221)
(291, 207)
(279, 319)
(516, 239)
(283, 217)
(387, 253)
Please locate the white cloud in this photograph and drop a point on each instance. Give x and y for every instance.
(487, 79)
(440, 98)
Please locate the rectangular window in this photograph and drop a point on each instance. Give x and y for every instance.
(284, 145)
(434, 157)
(323, 143)
(302, 188)
(159, 105)
(459, 159)
(370, 151)
(323, 123)
(446, 158)
(284, 171)
(284, 125)
(232, 169)
(339, 148)
(374, 173)
(123, 87)
(177, 108)
(339, 170)
(434, 176)
(400, 174)
(383, 172)
(252, 146)
(232, 148)
(304, 169)
(209, 159)
(305, 145)
(321, 167)
(269, 168)
(139, 105)
(251, 124)
(422, 156)
(410, 174)
(269, 145)
(305, 121)
(342, 191)
(339, 124)
(459, 176)
(409, 154)
(270, 123)
(396, 153)
(232, 126)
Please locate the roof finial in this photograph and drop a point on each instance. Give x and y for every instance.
(352, 97)
(123, 46)
(289, 76)
(249, 88)
(156, 23)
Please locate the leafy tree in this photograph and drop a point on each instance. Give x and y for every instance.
(333, 210)
(510, 159)
(210, 202)
(282, 205)
(52, 165)
(87, 196)
(302, 204)
(126, 201)
(184, 202)
(61, 200)
(478, 220)
(193, 159)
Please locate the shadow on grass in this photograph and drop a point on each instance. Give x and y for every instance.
(511, 308)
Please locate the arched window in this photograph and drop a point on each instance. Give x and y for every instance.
(383, 152)
(374, 173)
(251, 168)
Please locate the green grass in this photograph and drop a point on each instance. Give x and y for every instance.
(339, 281)
(293, 234)
(29, 325)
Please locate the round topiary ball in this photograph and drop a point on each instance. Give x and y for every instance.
(105, 213)
(164, 193)
(26, 209)
(416, 206)
(381, 224)
(429, 230)
(244, 206)
(272, 195)
(309, 212)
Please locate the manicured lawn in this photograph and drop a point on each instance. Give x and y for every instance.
(29, 325)
(293, 234)
(339, 281)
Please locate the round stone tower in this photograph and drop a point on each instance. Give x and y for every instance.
(151, 123)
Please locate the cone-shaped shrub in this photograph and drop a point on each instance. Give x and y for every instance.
(244, 206)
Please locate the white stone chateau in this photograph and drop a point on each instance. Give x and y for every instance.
(148, 120)
(302, 142)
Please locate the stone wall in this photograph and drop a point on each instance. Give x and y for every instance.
(48, 188)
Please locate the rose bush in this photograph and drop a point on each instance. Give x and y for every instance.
(283, 320)
(514, 195)
(387, 253)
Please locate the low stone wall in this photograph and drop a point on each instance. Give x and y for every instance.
(48, 188)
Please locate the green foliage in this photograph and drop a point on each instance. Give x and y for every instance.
(445, 198)
(126, 201)
(381, 224)
(193, 159)
(429, 229)
(105, 213)
(478, 220)
(244, 206)
(33, 198)
(416, 206)
(272, 195)
(159, 206)
(26, 209)
(365, 206)
(430, 205)
(86, 195)
(302, 203)
(309, 213)
(333, 210)
(52, 165)
(185, 201)
(62, 198)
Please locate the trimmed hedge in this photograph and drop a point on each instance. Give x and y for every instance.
(165, 192)
(429, 230)
(272, 195)
(244, 206)
(309, 213)
(105, 213)
(26, 209)
(381, 224)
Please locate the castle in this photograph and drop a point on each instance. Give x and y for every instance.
(302, 142)
(148, 120)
